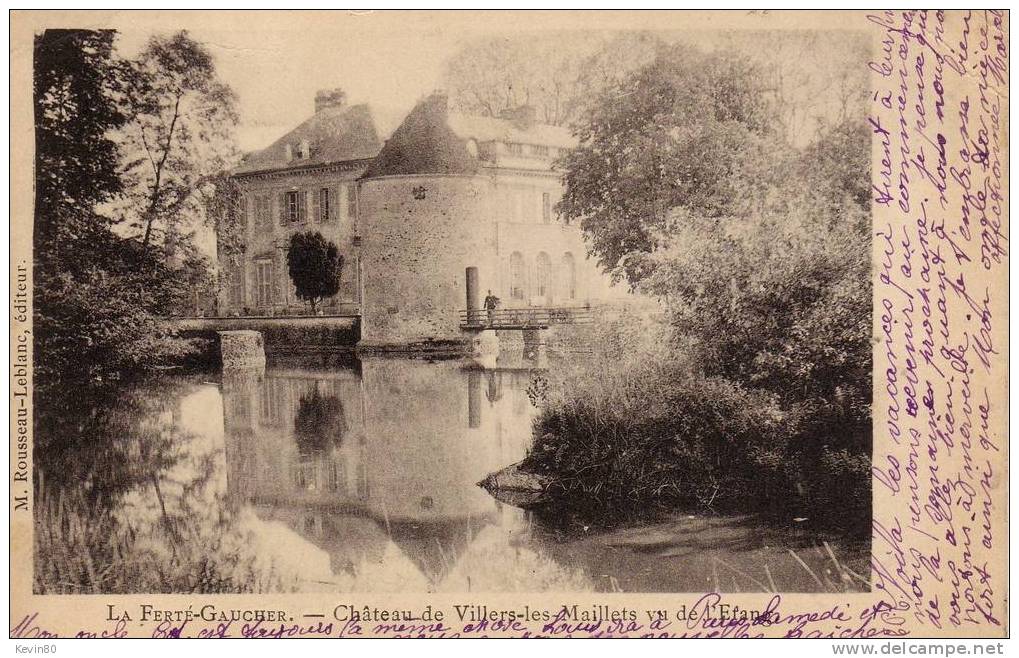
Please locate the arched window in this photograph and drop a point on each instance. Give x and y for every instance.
(543, 271)
(569, 276)
(516, 268)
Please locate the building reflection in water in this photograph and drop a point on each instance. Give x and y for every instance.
(378, 468)
(364, 479)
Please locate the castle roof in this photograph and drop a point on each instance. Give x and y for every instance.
(333, 134)
(424, 144)
(432, 140)
(428, 140)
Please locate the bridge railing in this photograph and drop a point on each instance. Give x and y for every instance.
(524, 318)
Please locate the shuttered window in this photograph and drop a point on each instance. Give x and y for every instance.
(237, 285)
(263, 282)
(322, 214)
(292, 208)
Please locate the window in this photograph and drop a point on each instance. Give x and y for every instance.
(323, 204)
(270, 402)
(569, 276)
(352, 201)
(262, 210)
(539, 151)
(237, 285)
(546, 207)
(514, 149)
(543, 269)
(263, 282)
(311, 523)
(293, 206)
(246, 212)
(516, 267)
(338, 475)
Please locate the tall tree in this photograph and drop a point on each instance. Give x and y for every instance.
(76, 82)
(180, 137)
(561, 73)
(98, 295)
(76, 79)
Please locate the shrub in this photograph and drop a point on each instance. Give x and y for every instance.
(314, 265)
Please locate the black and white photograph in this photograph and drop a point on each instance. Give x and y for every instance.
(584, 311)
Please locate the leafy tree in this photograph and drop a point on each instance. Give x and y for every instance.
(98, 295)
(760, 253)
(832, 168)
(180, 138)
(806, 74)
(688, 130)
(315, 265)
(561, 73)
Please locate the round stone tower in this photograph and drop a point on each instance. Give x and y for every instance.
(419, 234)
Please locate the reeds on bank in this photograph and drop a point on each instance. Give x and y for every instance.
(82, 548)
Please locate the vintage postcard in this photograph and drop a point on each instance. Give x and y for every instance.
(509, 324)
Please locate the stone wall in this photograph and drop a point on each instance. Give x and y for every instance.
(419, 234)
(266, 239)
(242, 350)
(281, 335)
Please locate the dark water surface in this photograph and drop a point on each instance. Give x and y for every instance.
(364, 478)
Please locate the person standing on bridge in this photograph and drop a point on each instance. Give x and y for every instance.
(491, 303)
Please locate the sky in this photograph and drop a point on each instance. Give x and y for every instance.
(276, 72)
(276, 61)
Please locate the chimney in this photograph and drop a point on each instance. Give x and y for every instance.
(326, 98)
(522, 116)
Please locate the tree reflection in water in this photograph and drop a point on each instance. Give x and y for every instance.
(319, 423)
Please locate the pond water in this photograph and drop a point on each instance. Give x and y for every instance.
(363, 477)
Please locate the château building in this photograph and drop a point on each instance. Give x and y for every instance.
(410, 209)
